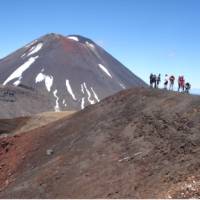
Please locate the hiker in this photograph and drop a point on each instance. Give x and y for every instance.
(187, 87)
(158, 80)
(181, 83)
(154, 80)
(171, 79)
(166, 81)
(151, 80)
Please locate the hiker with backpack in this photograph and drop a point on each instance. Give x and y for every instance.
(154, 81)
(187, 87)
(171, 79)
(158, 80)
(166, 81)
(151, 80)
(181, 83)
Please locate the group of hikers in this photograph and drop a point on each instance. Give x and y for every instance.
(169, 82)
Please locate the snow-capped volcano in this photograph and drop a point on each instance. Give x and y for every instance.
(72, 71)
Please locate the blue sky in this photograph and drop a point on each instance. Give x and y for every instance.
(159, 36)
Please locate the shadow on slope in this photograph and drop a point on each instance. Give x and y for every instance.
(23, 124)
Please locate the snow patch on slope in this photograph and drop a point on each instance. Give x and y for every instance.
(95, 95)
(56, 108)
(35, 49)
(90, 45)
(20, 70)
(83, 98)
(64, 102)
(122, 85)
(30, 44)
(46, 78)
(23, 55)
(16, 83)
(82, 103)
(105, 70)
(73, 38)
(89, 94)
(82, 88)
(69, 89)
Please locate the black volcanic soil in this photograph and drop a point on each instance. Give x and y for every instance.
(139, 143)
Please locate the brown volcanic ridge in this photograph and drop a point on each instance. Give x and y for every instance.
(139, 143)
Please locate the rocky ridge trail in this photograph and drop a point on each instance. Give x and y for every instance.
(139, 143)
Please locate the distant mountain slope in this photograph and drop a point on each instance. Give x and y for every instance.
(22, 101)
(73, 71)
(139, 143)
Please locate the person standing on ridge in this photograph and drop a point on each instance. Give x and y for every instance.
(154, 81)
(187, 87)
(158, 80)
(171, 79)
(181, 83)
(166, 81)
(151, 80)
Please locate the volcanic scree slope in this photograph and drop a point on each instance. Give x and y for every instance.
(71, 71)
